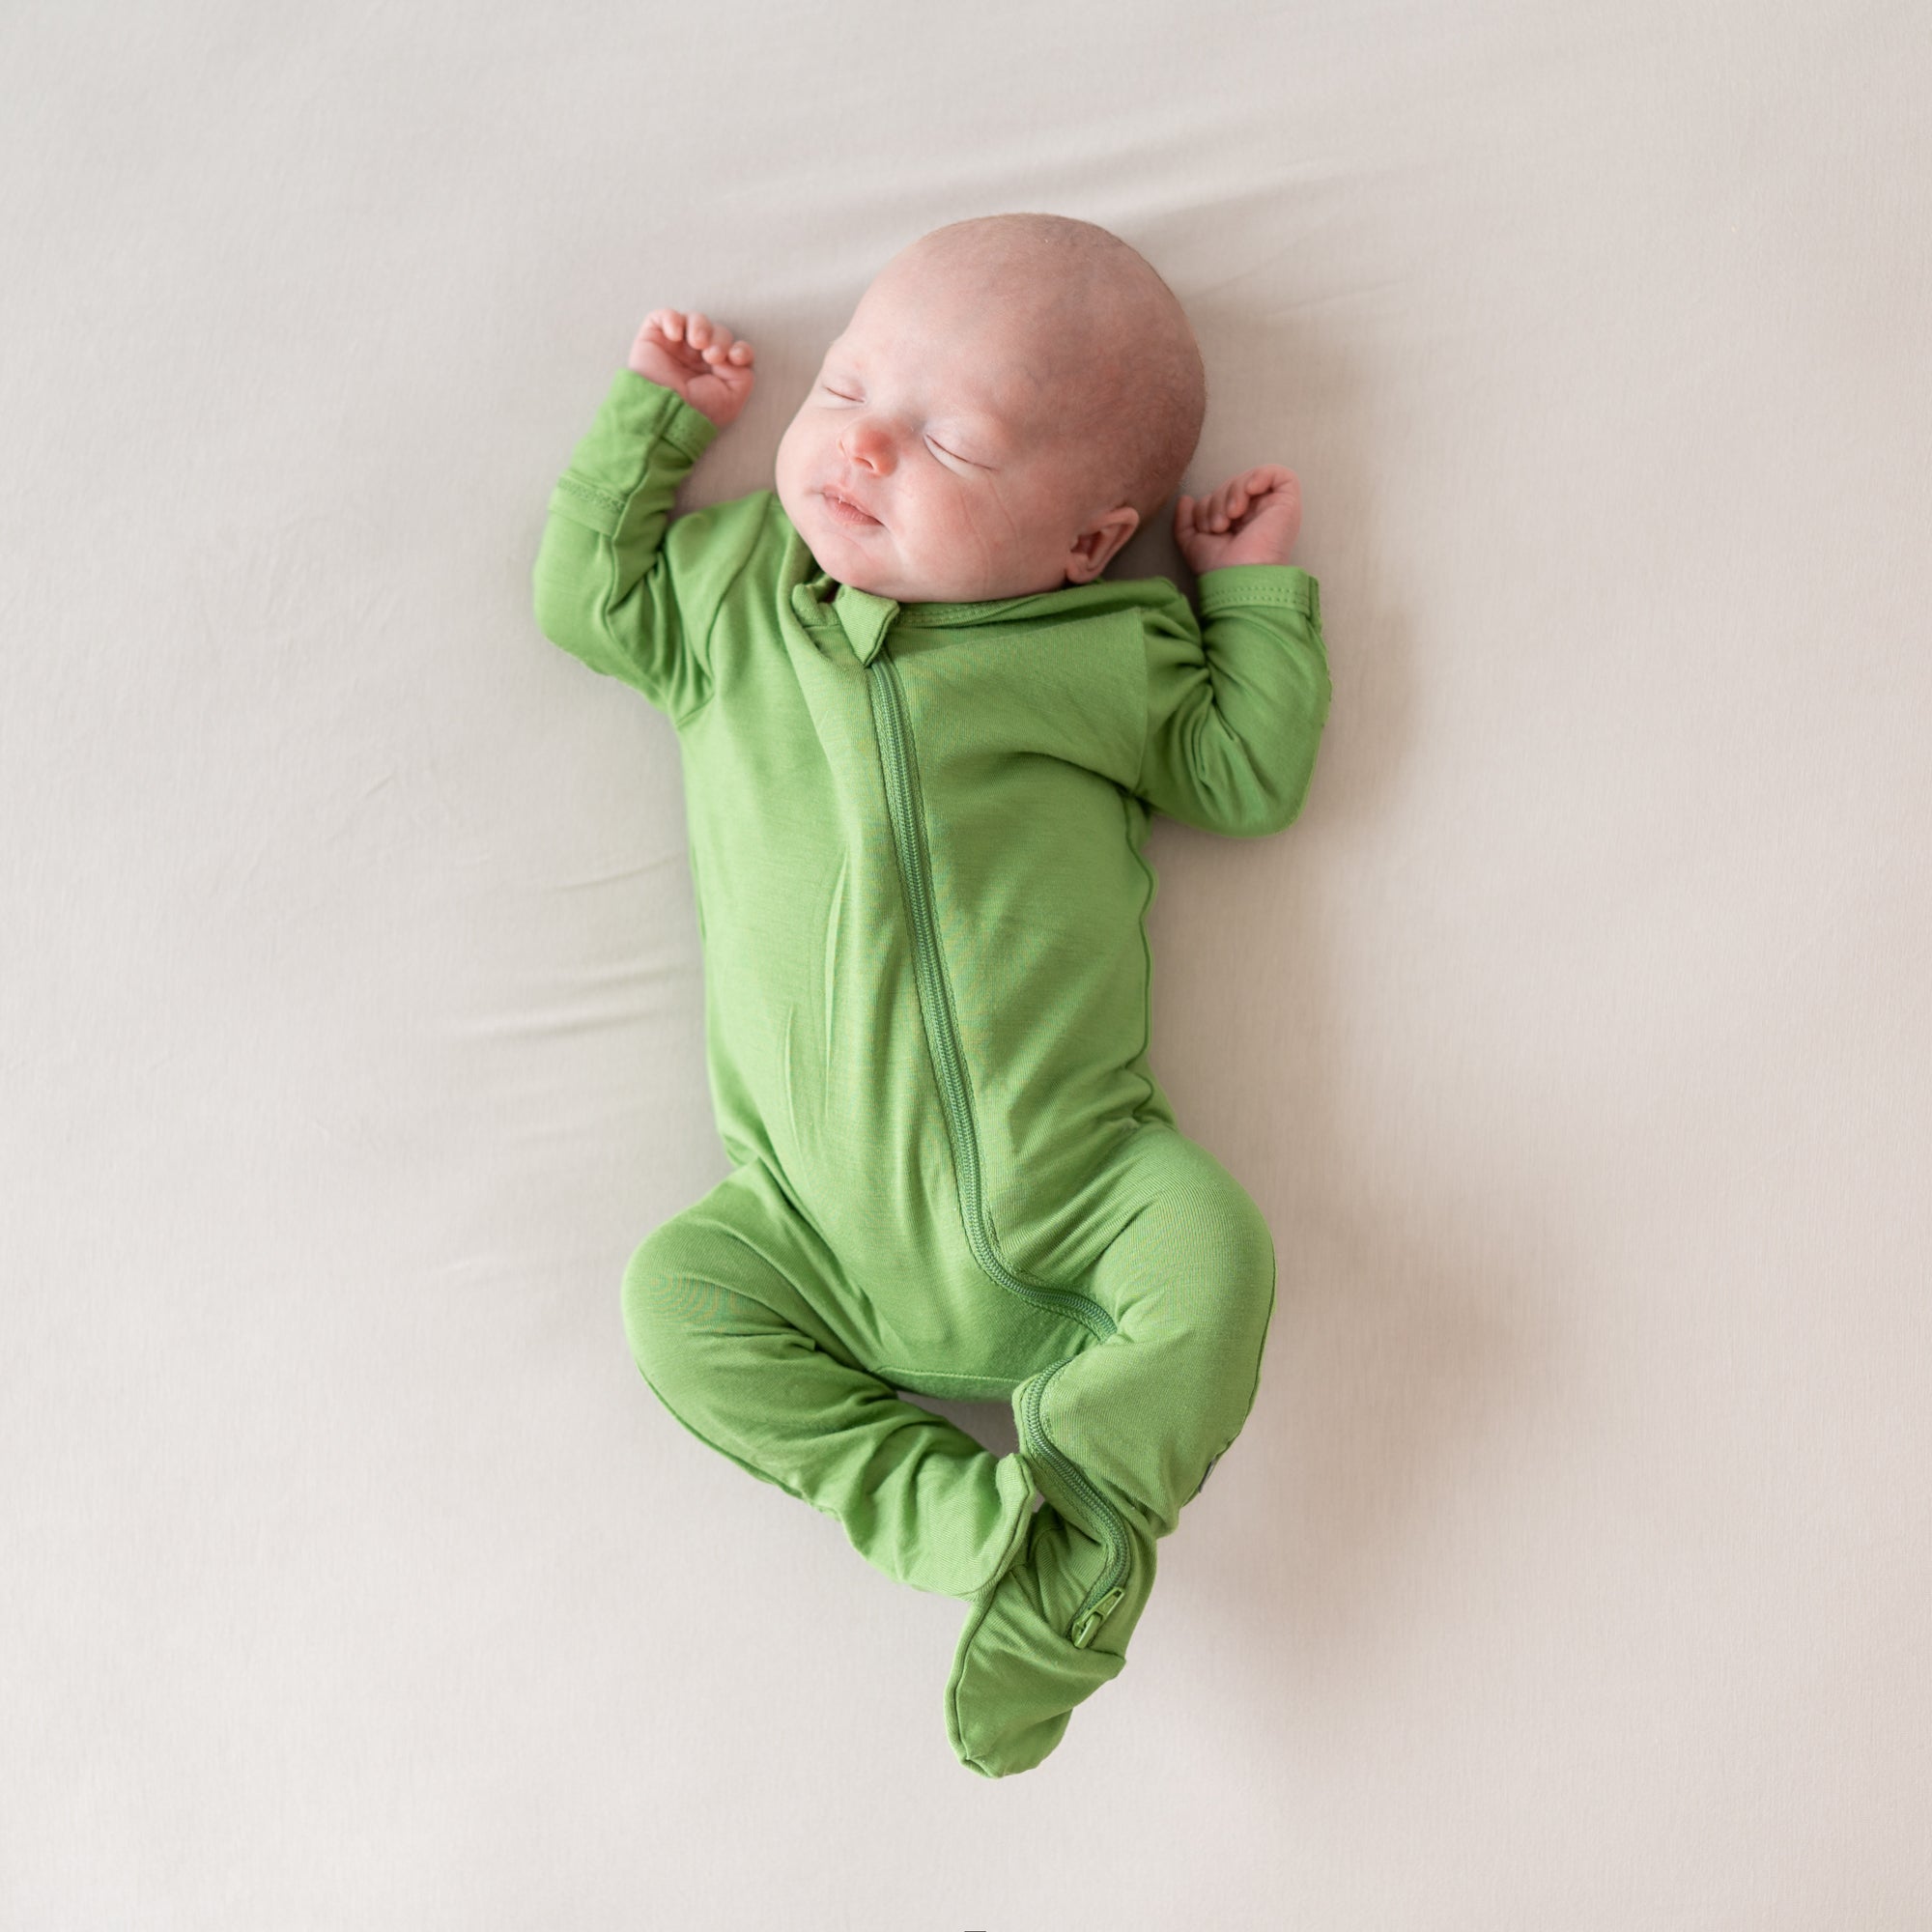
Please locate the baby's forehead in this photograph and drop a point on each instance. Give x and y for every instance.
(1005, 346)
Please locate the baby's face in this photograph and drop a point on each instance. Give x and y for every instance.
(935, 459)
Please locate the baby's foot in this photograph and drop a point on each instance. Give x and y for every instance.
(1017, 1675)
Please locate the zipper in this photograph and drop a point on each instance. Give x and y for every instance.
(903, 795)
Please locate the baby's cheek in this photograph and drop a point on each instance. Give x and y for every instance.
(785, 473)
(983, 547)
(967, 548)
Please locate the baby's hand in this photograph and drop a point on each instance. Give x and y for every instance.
(698, 357)
(1255, 519)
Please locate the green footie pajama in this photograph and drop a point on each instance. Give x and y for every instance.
(915, 841)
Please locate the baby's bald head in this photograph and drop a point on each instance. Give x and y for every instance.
(1012, 399)
(1107, 339)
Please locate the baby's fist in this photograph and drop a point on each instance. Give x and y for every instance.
(698, 359)
(1254, 519)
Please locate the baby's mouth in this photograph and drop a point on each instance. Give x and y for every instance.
(844, 510)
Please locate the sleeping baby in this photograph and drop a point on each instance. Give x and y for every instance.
(923, 737)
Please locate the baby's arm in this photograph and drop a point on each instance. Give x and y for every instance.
(602, 585)
(1236, 702)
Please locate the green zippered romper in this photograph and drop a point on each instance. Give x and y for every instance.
(916, 839)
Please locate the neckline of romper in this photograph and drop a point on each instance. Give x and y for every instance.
(863, 620)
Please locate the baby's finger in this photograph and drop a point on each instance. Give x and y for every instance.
(741, 351)
(668, 322)
(721, 342)
(697, 331)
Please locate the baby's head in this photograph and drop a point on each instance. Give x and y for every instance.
(1012, 399)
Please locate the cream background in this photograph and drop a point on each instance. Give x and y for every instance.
(1573, 1569)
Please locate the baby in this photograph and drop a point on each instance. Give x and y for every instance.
(923, 739)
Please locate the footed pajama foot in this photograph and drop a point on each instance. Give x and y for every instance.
(1017, 1675)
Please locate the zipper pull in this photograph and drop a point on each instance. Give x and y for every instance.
(1085, 1628)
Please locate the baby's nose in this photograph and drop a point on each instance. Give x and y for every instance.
(868, 441)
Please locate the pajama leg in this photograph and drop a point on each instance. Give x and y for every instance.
(734, 1331)
(1135, 1420)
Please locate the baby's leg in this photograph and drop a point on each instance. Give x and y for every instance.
(737, 1331)
(1119, 1437)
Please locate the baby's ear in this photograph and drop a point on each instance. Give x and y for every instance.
(1099, 543)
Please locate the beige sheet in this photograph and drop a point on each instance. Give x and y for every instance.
(1573, 1569)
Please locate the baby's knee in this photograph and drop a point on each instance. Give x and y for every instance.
(1198, 1265)
(670, 1293)
(1253, 1265)
(1241, 1242)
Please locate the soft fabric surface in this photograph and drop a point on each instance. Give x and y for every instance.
(1574, 1040)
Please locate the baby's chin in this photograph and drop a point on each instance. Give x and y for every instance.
(861, 558)
(867, 561)
(840, 557)
(902, 586)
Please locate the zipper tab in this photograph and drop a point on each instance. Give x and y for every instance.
(1084, 1630)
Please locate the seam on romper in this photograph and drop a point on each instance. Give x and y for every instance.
(1146, 706)
(1002, 1385)
(716, 610)
(750, 1468)
(1127, 803)
(1146, 947)
(595, 498)
(1300, 592)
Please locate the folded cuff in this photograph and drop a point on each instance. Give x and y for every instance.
(1277, 583)
(680, 423)
(639, 421)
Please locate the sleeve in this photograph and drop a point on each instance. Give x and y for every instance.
(1236, 702)
(601, 583)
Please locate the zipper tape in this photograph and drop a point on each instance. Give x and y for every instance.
(902, 794)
